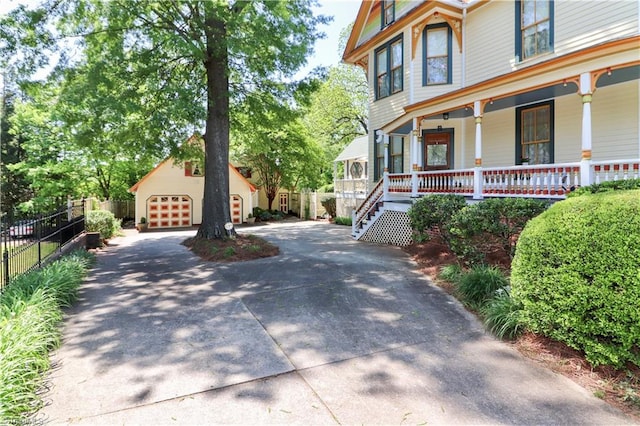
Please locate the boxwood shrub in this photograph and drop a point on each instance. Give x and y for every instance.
(491, 227)
(576, 274)
(614, 185)
(430, 215)
(102, 221)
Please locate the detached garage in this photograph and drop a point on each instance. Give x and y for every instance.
(170, 196)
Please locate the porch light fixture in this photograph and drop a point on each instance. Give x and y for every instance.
(439, 128)
(445, 116)
(609, 71)
(564, 82)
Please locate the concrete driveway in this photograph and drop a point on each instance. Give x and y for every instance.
(331, 331)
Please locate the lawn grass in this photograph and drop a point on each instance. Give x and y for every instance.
(27, 257)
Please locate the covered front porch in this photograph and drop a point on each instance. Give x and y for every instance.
(574, 146)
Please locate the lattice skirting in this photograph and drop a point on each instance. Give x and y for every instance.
(393, 227)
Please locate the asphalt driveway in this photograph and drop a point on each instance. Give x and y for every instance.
(331, 331)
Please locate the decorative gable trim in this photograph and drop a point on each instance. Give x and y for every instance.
(454, 23)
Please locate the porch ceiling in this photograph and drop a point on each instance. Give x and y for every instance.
(620, 75)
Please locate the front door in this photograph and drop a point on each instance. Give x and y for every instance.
(438, 150)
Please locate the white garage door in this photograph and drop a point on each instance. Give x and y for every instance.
(169, 211)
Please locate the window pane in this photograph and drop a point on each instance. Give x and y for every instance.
(544, 155)
(437, 42)
(531, 153)
(383, 86)
(437, 71)
(396, 54)
(528, 12)
(397, 80)
(542, 38)
(527, 126)
(388, 15)
(396, 145)
(437, 155)
(396, 165)
(542, 10)
(529, 42)
(382, 62)
(542, 124)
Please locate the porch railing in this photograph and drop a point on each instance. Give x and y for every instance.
(548, 181)
(350, 187)
(537, 181)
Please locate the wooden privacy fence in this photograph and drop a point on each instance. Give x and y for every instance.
(121, 209)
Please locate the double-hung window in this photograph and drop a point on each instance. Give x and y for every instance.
(388, 67)
(534, 28)
(388, 12)
(437, 55)
(396, 156)
(535, 133)
(396, 153)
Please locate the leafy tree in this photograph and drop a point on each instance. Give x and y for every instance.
(14, 188)
(279, 149)
(338, 111)
(178, 64)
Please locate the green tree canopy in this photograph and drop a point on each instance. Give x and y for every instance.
(147, 74)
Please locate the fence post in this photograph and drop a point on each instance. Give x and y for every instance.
(5, 264)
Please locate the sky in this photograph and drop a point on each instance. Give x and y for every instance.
(326, 50)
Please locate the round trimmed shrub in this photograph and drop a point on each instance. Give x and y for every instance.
(102, 221)
(576, 274)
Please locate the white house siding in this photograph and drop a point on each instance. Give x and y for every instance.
(588, 23)
(424, 92)
(490, 45)
(568, 129)
(615, 113)
(498, 138)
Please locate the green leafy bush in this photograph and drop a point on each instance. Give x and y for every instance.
(430, 215)
(102, 221)
(30, 312)
(502, 315)
(576, 275)
(491, 227)
(342, 220)
(479, 284)
(329, 205)
(614, 185)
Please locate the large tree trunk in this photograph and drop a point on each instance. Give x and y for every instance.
(215, 207)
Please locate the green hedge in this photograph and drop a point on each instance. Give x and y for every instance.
(102, 221)
(614, 185)
(431, 215)
(576, 274)
(492, 226)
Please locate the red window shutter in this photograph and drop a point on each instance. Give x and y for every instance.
(187, 168)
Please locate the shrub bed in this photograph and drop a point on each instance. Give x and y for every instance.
(575, 273)
(430, 215)
(491, 228)
(30, 313)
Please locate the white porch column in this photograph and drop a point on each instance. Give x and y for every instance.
(586, 93)
(414, 158)
(477, 171)
(385, 175)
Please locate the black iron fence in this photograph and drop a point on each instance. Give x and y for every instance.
(27, 243)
